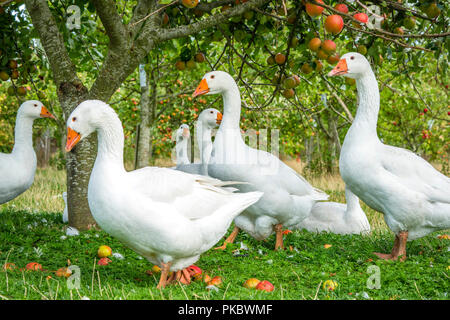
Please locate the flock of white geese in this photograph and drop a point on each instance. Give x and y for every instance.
(171, 217)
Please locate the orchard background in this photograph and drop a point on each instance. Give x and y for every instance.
(63, 52)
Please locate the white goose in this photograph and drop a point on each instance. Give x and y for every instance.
(288, 197)
(337, 218)
(413, 196)
(182, 139)
(18, 167)
(167, 216)
(207, 120)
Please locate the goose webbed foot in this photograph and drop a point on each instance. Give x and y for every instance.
(399, 249)
(228, 240)
(182, 276)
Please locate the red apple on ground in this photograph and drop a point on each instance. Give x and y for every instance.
(216, 281)
(104, 261)
(251, 283)
(34, 266)
(9, 266)
(63, 272)
(206, 278)
(194, 270)
(265, 286)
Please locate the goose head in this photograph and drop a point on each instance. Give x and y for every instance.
(214, 82)
(351, 65)
(183, 132)
(84, 120)
(210, 118)
(34, 109)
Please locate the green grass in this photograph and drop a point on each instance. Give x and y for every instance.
(297, 274)
(37, 235)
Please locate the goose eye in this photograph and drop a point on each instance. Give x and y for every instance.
(211, 112)
(74, 119)
(352, 57)
(35, 105)
(212, 76)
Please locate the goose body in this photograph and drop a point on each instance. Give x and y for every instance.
(337, 218)
(17, 168)
(288, 197)
(167, 216)
(413, 196)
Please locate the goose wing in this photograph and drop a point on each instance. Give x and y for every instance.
(416, 173)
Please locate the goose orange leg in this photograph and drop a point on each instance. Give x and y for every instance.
(399, 249)
(279, 236)
(165, 269)
(230, 239)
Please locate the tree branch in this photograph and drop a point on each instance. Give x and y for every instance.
(114, 27)
(186, 30)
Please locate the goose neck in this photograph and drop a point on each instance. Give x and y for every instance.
(204, 141)
(23, 133)
(181, 148)
(368, 103)
(352, 200)
(110, 141)
(231, 107)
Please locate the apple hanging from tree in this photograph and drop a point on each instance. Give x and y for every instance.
(314, 10)
(341, 7)
(314, 44)
(361, 17)
(334, 24)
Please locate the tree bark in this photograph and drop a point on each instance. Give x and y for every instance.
(143, 144)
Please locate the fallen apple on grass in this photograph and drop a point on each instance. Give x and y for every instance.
(156, 269)
(34, 266)
(9, 266)
(104, 261)
(265, 286)
(63, 272)
(194, 270)
(104, 251)
(216, 281)
(330, 285)
(251, 283)
(206, 278)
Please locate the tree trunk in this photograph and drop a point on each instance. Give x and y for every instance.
(143, 143)
(79, 162)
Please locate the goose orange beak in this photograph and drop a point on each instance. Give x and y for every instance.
(219, 118)
(185, 133)
(73, 138)
(341, 68)
(201, 89)
(46, 114)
